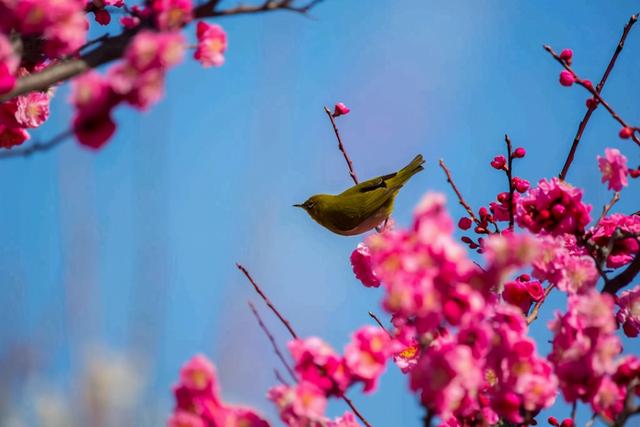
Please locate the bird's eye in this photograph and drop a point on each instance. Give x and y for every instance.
(310, 205)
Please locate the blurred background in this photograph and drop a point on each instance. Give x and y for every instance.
(118, 266)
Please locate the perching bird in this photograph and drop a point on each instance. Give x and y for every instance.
(363, 206)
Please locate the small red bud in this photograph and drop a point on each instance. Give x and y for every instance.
(588, 84)
(499, 162)
(503, 197)
(519, 153)
(553, 421)
(567, 56)
(483, 212)
(464, 223)
(480, 230)
(634, 173)
(592, 103)
(102, 16)
(340, 110)
(567, 422)
(566, 78)
(466, 240)
(625, 133)
(524, 277)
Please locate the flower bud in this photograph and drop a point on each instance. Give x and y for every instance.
(340, 110)
(625, 133)
(519, 153)
(566, 78)
(567, 56)
(464, 223)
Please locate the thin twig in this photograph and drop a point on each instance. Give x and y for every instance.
(536, 308)
(352, 173)
(37, 146)
(592, 107)
(274, 344)
(593, 92)
(574, 410)
(606, 208)
(428, 417)
(113, 47)
(374, 317)
(280, 378)
(464, 204)
(286, 323)
(509, 173)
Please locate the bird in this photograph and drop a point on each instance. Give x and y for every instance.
(363, 206)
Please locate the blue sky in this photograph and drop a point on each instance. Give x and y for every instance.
(133, 247)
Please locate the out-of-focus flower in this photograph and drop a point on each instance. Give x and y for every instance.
(366, 355)
(10, 137)
(584, 345)
(172, 14)
(361, 264)
(614, 169)
(624, 248)
(8, 65)
(347, 420)
(212, 44)
(182, 418)
(301, 405)
(629, 314)
(553, 207)
(316, 362)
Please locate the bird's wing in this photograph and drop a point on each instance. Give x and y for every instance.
(369, 185)
(351, 210)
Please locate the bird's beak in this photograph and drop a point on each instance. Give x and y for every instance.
(298, 206)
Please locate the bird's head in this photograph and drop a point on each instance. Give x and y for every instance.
(313, 205)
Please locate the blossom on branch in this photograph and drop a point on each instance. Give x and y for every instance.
(614, 169)
(212, 44)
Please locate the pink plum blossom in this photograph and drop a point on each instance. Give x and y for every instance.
(629, 314)
(10, 137)
(316, 362)
(361, 264)
(172, 14)
(623, 249)
(301, 405)
(212, 44)
(8, 65)
(614, 169)
(340, 110)
(366, 355)
(553, 207)
(32, 109)
(347, 420)
(182, 418)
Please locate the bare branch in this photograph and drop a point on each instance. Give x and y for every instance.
(341, 146)
(461, 200)
(593, 92)
(37, 146)
(593, 106)
(274, 344)
(112, 48)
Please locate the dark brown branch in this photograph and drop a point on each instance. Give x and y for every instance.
(374, 317)
(536, 308)
(274, 344)
(286, 323)
(352, 173)
(509, 172)
(593, 92)
(36, 146)
(624, 278)
(592, 107)
(280, 378)
(461, 200)
(113, 47)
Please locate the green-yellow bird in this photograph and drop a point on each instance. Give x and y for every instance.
(363, 206)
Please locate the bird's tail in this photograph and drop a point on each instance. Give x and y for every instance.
(408, 171)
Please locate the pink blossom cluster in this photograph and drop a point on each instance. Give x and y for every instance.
(137, 80)
(629, 313)
(623, 248)
(198, 402)
(614, 169)
(564, 264)
(482, 367)
(585, 354)
(323, 373)
(553, 207)
(47, 32)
